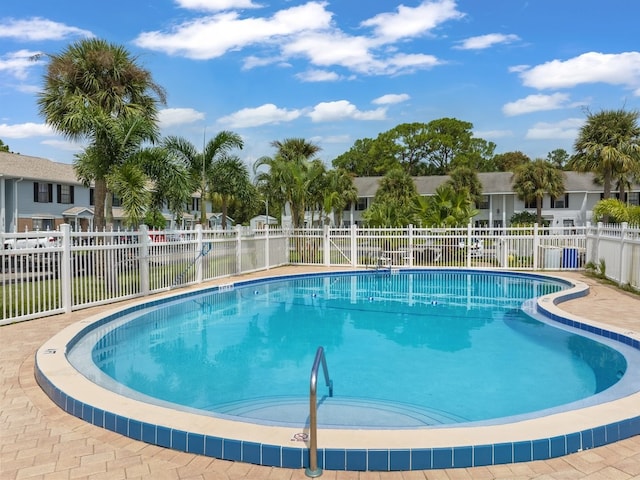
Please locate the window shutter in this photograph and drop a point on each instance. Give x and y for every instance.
(50, 192)
(71, 194)
(59, 193)
(35, 192)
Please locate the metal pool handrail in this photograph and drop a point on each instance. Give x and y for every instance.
(313, 470)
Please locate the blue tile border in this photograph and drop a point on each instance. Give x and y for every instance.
(347, 459)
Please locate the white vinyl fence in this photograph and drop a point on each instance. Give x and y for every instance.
(614, 251)
(45, 273)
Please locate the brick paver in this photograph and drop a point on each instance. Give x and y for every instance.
(40, 441)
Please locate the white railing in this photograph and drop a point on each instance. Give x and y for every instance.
(614, 251)
(529, 248)
(45, 273)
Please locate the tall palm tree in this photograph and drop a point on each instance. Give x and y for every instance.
(339, 192)
(394, 199)
(533, 180)
(230, 181)
(290, 175)
(86, 87)
(609, 144)
(201, 163)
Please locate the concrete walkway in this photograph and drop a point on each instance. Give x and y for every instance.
(40, 441)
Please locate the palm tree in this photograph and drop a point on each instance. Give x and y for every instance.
(339, 192)
(230, 181)
(608, 144)
(89, 85)
(466, 178)
(290, 176)
(446, 208)
(392, 205)
(533, 180)
(201, 163)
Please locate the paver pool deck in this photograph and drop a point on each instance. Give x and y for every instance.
(39, 440)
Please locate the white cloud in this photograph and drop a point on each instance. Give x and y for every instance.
(486, 41)
(564, 130)
(263, 115)
(342, 110)
(591, 67)
(318, 76)
(391, 98)
(536, 103)
(178, 116)
(411, 22)
(25, 130)
(36, 29)
(489, 134)
(216, 5)
(18, 63)
(213, 36)
(305, 31)
(63, 145)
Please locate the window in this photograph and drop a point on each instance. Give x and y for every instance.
(42, 224)
(362, 204)
(195, 204)
(65, 194)
(42, 192)
(484, 203)
(91, 197)
(562, 202)
(115, 201)
(530, 203)
(633, 198)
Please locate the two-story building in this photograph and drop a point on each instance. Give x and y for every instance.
(38, 194)
(499, 201)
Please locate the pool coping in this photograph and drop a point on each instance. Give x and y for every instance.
(350, 449)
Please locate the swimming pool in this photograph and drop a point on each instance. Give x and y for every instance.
(315, 302)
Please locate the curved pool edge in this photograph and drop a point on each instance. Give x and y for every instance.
(339, 449)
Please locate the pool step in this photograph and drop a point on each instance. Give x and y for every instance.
(334, 412)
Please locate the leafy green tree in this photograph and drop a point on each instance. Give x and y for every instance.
(533, 180)
(360, 159)
(447, 138)
(478, 157)
(3, 147)
(202, 163)
(230, 182)
(406, 146)
(509, 161)
(608, 144)
(87, 87)
(523, 218)
(559, 158)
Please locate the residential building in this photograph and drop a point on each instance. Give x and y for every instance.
(499, 202)
(38, 194)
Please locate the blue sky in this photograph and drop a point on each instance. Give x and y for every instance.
(524, 73)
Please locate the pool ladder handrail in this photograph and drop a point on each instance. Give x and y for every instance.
(313, 470)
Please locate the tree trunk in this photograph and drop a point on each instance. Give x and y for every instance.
(539, 210)
(99, 197)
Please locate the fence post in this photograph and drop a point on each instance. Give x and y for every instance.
(143, 256)
(410, 249)
(65, 268)
(596, 260)
(266, 246)
(326, 246)
(536, 247)
(622, 256)
(238, 248)
(354, 245)
(468, 245)
(199, 250)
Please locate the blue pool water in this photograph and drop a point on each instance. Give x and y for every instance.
(405, 350)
